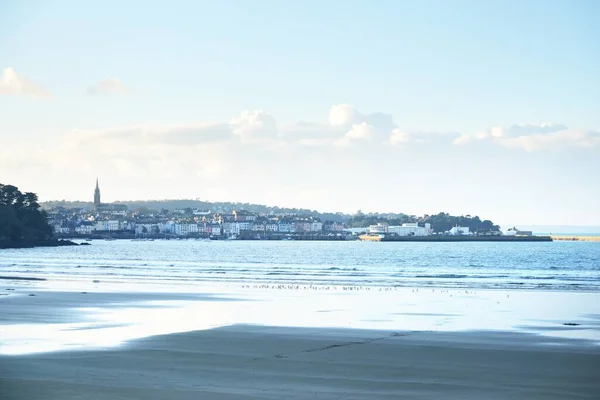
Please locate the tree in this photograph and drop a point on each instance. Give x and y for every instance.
(21, 217)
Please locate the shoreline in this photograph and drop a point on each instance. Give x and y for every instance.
(103, 315)
(28, 244)
(250, 362)
(576, 238)
(324, 238)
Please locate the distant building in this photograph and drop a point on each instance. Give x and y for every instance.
(97, 195)
(379, 228)
(411, 229)
(113, 209)
(460, 230)
(517, 232)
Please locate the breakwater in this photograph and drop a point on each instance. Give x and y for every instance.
(442, 238)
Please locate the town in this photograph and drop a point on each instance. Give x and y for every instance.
(114, 221)
(117, 221)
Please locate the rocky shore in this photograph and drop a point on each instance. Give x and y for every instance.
(24, 244)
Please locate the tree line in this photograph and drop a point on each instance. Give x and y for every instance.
(21, 218)
(440, 222)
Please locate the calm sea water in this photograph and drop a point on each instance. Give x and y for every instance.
(556, 265)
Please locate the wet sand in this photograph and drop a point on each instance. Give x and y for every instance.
(239, 344)
(249, 362)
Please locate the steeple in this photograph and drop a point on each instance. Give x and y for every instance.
(97, 194)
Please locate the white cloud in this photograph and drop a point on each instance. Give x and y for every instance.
(375, 126)
(532, 137)
(360, 131)
(398, 137)
(344, 115)
(553, 141)
(13, 83)
(174, 135)
(254, 125)
(109, 86)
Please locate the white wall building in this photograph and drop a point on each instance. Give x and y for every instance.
(411, 229)
(213, 229)
(166, 227)
(379, 228)
(244, 226)
(84, 229)
(231, 228)
(185, 229)
(459, 230)
(285, 226)
(316, 226)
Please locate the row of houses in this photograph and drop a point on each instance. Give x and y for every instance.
(221, 226)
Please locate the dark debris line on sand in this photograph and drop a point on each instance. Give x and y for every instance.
(346, 344)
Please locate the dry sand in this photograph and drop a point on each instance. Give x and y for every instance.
(248, 362)
(569, 238)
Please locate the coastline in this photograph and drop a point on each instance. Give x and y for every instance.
(576, 238)
(27, 244)
(251, 362)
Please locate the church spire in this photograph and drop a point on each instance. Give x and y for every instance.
(97, 194)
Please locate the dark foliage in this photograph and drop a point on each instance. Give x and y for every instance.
(441, 222)
(21, 218)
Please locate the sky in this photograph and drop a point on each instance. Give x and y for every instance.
(468, 107)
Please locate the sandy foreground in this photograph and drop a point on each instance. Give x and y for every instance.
(245, 362)
(414, 344)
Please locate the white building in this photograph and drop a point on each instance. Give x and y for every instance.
(185, 229)
(84, 229)
(316, 226)
(286, 226)
(272, 227)
(166, 227)
(101, 226)
(411, 229)
(201, 212)
(213, 229)
(231, 228)
(379, 228)
(114, 225)
(61, 229)
(516, 232)
(244, 226)
(459, 230)
(107, 226)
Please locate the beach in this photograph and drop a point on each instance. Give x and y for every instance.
(576, 238)
(247, 362)
(297, 320)
(274, 343)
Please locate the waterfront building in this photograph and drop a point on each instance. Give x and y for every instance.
(460, 230)
(411, 229)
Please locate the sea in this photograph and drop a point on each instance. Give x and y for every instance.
(564, 266)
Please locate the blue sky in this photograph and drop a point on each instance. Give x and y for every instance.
(487, 108)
